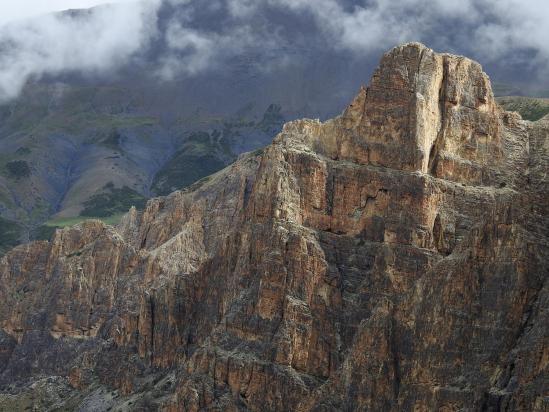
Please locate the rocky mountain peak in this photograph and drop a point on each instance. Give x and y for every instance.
(434, 113)
(393, 258)
(422, 111)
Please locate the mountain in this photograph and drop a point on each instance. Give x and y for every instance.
(65, 148)
(210, 84)
(392, 258)
(73, 146)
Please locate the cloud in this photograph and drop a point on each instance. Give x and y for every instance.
(192, 46)
(22, 9)
(195, 35)
(489, 30)
(99, 40)
(515, 25)
(494, 27)
(363, 26)
(190, 51)
(502, 32)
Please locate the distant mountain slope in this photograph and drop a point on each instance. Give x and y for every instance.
(530, 108)
(67, 138)
(62, 145)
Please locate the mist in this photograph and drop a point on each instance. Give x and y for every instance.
(97, 40)
(192, 37)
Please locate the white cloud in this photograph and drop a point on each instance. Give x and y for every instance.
(492, 30)
(517, 24)
(102, 40)
(197, 49)
(22, 9)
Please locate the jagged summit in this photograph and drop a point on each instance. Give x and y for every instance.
(423, 111)
(393, 258)
(430, 106)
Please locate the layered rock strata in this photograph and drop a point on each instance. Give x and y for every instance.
(393, 258)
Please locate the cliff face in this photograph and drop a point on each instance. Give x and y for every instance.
(393, 258)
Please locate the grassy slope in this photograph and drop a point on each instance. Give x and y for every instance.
(108, 206)
(97, 117)
(530, 108)
(88, 116)
(203, 153)
(46, 231)
(200, 156)
(112, 201)
(9, 235)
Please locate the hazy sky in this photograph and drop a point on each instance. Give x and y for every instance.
(19, 9)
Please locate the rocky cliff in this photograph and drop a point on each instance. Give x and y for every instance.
(393, 258)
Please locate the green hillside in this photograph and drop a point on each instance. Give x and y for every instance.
(530, 108)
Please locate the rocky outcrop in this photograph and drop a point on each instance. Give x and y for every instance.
(393, 258)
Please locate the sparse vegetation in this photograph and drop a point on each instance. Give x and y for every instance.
(201, 156)
(18, 169)
(46, 231)
(112, 201)
(198, 184)
(530, 108)
(272, 119)
(113, 140)
(183, 170)
(258, 152)
(9, 235)
(23, 151)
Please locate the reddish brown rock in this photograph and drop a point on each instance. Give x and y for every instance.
(393, 258)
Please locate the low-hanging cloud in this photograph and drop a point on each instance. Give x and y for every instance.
(109, 37)
(494, 27)
(503, 32)
(96, 41)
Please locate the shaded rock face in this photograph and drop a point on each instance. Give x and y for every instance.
(393, 258)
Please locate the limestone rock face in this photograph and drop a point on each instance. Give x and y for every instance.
(394, 258)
